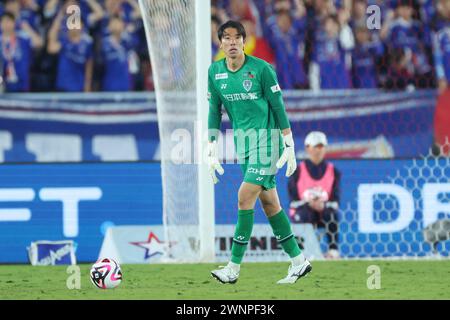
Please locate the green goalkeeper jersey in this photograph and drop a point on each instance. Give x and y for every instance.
(253, 101)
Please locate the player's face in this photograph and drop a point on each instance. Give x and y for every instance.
(316, 153)
(232, 43)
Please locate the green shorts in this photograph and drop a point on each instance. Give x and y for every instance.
(261, 175)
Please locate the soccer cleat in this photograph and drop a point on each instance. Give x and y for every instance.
(296, 272)
(225, 275)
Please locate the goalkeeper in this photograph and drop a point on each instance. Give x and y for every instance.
(248, 89)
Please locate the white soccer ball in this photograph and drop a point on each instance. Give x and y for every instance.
(106, 273)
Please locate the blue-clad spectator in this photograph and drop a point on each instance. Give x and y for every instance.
(30, 12)
(359, 15)
(408, 34)
(364, 56)
(24, 11)
(441, 42)
(116, 49)
(75, 50)
(127, 10)
(442, 49)
(16, 54)
(330, 68)
(287, 38)
(427, 10)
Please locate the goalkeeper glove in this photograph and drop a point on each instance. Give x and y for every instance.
(288, 155)
(213, 161)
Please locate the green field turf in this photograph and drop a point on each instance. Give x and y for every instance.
(328, 280)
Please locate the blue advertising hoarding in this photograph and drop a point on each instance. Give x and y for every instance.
(80, 201)
(74, 201)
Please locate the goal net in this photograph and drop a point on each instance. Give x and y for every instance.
(179, 41)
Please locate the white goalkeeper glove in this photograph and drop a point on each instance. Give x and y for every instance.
(288, 155)
(213, 161)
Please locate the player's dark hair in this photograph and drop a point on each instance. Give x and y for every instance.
(9, 15)
(231, 24)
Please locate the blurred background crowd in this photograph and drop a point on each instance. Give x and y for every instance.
(313, 44)
(336, 44)
(46, 48)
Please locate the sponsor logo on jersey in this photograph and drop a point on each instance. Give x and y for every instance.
(241, 96)
(220, 76)
(247, 85)
(223, 86)
(275, 88)
(261, 172)
(253, 170)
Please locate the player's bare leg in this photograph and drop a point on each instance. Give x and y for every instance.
(300, 266)
(248, 193)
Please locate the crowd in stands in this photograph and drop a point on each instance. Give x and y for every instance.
(313, 44)
(339, 44)
(73, 46)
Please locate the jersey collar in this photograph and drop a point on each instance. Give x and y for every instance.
(226, 67)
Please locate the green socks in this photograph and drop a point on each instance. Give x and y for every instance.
(282, 230)
(242, 234)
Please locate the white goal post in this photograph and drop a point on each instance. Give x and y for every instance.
(178, 35)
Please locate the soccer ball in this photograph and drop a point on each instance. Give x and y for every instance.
(106, 274)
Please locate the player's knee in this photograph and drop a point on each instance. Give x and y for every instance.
(245, 203)
(247, 197)
(246, 200)
(271, 208)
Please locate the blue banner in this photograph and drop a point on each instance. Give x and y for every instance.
(76, 202)
(124, 127)
(385, 208)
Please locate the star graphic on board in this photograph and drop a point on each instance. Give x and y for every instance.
(153, 246)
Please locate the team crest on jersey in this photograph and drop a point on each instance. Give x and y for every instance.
(247, 84)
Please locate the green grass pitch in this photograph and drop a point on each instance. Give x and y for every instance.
(402, 279)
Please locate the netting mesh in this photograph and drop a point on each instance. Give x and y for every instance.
(170, 30)
(426, 233)
(389, 208)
